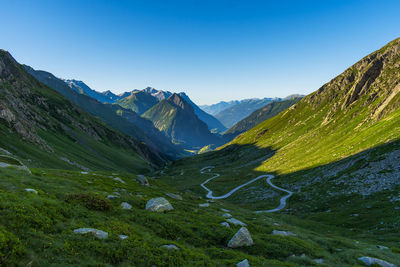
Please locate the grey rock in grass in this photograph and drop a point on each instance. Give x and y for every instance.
(174, 196)
(243, 263)
(158, 204)
(126, 206)
(236, 222)
(31, 190)
(241, 239)
(204, 205)
(97, 233)
(170, 247)
(283, 233)
(319, 261)
(112, 196)
(143, 180)
(225, 224)
(119, 180)
(371, 261)
(382, 247)
(226, 215)
(225, 210)
(123, 237)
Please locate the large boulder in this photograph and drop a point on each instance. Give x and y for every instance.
(374, 261)
(143, 180)
(241, 239)
(97, 233)
(243, 263)
(158, 204)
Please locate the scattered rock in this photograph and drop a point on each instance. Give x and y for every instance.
(371, 261)
(225, 224)
(226, 215)
(241, 238)
(174, 196)
(170, 247)
(97, 233)
(243, 263)
(158, 204)
(126, 206)
(112, 196)
(84, 172)
(119, 180)
(225, 210)
(123, 237)
(143, 180)
(31, 190)
(236, 222)
(282, 233)
(381, 247)
(204, 205)
(319, 261)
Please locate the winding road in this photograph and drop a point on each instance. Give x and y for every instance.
(268, 176)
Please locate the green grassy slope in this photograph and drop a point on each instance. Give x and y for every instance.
(139, 102)
(338, 150)
(37, 229)
(270, 110)
(45, 129)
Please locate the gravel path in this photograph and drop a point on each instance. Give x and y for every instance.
(268, 176)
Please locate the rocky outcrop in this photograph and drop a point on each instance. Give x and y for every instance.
(243, 263)
(158, 204)
(241, 239)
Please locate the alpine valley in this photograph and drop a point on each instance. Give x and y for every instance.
(149, 178)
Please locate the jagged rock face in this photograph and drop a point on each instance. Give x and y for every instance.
(372, 82)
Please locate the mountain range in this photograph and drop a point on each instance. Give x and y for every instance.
(303, 181)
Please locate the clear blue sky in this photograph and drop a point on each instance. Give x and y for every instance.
(213, 50)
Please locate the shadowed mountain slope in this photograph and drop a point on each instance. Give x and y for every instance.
(177, 119)
(46, 129)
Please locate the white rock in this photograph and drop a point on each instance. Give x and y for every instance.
(31, 190)
(158, 204)
(126, 206)
(225, 224)
(97, 233)
(119, 180)
(235, 222)
(243, 263)
(112, 196)
(84, 172)
(226, 215)
(123, 237)
(381, 247)
(371, 261)
(225, 210)
(282, 233)
(170, 247)
(204, 205)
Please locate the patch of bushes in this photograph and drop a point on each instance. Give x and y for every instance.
(90, 201)
(10, 247)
